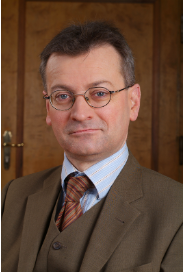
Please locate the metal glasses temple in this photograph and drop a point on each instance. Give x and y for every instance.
(120, 89)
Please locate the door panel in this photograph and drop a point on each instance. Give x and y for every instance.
(135, 20)
(44, 19)
(171, 89)
(9, 79)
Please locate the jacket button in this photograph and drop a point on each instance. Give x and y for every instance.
(56, 245)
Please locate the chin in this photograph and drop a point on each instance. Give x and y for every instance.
(82, 151)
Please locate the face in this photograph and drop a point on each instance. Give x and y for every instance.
(88, 134)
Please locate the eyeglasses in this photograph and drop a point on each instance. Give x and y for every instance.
(96, 97)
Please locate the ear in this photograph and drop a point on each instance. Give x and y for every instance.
(134, 98)
(48, 118)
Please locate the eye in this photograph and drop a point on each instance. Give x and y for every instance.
(62, 95)
(99, 93)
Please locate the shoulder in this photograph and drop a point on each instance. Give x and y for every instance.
(24, 186)
(155, 181)
(161, 185)
(163, 196)
(160, 193)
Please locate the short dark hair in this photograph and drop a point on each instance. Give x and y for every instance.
(78, 39)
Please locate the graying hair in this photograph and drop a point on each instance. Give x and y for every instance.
(79, 39)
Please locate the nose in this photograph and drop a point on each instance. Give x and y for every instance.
(81, 111)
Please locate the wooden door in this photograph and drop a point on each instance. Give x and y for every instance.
(152, 29)
(9, 64)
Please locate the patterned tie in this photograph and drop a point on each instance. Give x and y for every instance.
(71, 210)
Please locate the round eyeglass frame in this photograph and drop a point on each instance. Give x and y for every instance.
(48, 97)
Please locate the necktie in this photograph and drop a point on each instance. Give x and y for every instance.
(71, 210)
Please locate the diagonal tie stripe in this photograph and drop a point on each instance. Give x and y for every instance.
(71, 210)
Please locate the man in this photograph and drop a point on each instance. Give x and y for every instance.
(100, 211)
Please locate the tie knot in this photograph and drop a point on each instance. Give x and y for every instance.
(76, 187)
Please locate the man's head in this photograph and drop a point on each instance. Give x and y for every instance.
(89, 134)
(79, 39)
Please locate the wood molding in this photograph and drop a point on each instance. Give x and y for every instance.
(156, 85)
(20, 86)
(99, 1)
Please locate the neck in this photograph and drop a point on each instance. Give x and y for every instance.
(82, 163)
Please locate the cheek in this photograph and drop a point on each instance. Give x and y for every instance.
(57, 126)
(109, 118)
(118, 120)
(58, 120)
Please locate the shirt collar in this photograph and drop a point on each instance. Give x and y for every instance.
(103, 173)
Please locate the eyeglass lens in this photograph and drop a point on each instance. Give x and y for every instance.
(96, 97)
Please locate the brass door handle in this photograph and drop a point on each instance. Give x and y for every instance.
(7, 135)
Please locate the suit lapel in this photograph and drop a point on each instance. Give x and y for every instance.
(37, 217)
(116, 217)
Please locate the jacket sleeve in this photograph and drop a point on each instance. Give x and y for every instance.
(3, 196)
(173, 259)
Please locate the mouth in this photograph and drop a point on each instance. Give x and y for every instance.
(84, 131)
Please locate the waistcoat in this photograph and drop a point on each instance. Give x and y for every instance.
(64, 251)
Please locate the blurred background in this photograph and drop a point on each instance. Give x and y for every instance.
(153, 30)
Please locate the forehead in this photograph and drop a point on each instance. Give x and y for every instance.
(100, 63)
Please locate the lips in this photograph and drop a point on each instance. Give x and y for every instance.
(74, 128)
(89, 130)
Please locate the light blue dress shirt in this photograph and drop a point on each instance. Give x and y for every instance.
(102, 175)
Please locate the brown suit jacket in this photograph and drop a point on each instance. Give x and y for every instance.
(138, 230)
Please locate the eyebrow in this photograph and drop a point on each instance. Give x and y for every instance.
(60, 87)
(93, 84)
(97, 83)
